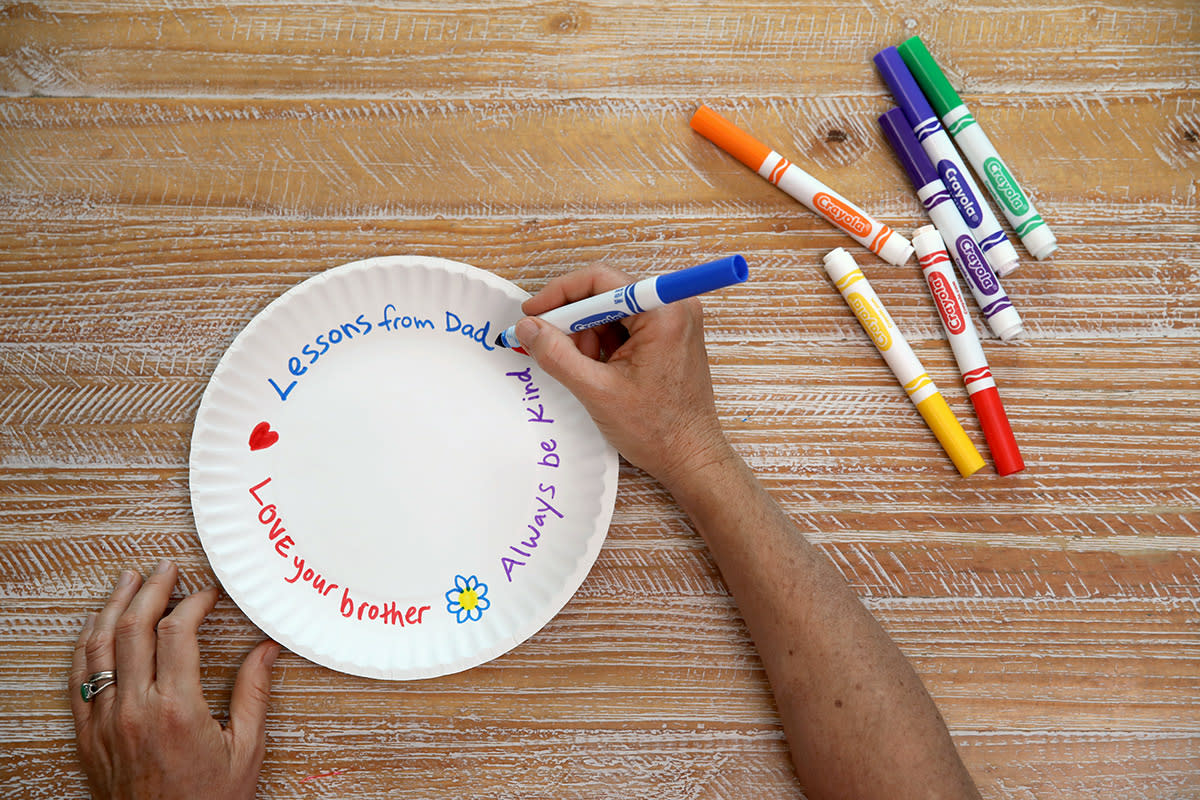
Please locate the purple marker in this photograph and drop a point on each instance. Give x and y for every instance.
(950, 167)
(1001, 317)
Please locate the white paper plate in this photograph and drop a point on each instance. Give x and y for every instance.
(382, 492)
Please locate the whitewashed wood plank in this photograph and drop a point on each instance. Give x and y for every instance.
(553, 158)
(608, 49)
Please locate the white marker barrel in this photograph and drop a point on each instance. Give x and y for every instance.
(960, 331)
(985, 286)
(861, 226)
(1026, 221)
(857, 292)
(775, 169)
(1035, 234)
(950, 167)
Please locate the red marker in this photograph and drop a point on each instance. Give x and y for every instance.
(977, 378)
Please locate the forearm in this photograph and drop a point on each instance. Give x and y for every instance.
(858, 719)
(859, 722)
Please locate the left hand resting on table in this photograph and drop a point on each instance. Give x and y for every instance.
(150, 734)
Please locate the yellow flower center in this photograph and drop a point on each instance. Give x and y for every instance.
(468, 599)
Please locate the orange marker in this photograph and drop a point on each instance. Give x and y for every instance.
(867, 231)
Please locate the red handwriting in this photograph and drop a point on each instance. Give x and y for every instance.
(387, 613)
(269, 515)
(324, 775)
(308, 575)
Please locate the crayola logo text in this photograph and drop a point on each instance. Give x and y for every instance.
(841, 214)
(964, 198)
(947, 302)
(872, 321)
(1006, 189)
(973, 264)
(597, 319)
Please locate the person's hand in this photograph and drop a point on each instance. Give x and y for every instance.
(647, 386)
(151, 734)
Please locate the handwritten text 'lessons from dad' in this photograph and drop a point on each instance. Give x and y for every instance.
(392, 322)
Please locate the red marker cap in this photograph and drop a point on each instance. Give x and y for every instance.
(997, 431)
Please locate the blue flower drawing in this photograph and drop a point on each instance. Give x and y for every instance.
(468, 599)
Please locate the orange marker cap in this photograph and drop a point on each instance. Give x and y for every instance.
(730, 138)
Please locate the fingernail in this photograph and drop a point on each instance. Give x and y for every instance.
(270, 654)
(528, 331)
(163, 566)
(125, 579)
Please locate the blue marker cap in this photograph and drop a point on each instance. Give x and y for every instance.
(912, 156)
(702, 278)
(904, 86)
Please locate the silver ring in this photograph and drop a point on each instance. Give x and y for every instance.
(96, 683)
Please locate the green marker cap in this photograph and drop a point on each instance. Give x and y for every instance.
(929, 75)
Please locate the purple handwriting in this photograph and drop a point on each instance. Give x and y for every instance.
(549, 457)
(537, 413)
(544, 513)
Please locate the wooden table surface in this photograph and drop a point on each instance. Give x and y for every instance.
(167, 169)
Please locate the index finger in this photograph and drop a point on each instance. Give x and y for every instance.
(80, 707)
(178, 647)
(135, 630)
(575, 286)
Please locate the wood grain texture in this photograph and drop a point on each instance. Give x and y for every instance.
(647, 49)
(167, 169)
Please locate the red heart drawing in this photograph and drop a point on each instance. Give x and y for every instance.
(262, 436)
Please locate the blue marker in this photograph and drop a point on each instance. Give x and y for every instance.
(645, 295)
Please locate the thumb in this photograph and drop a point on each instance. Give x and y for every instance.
(558, 356)
(251, 692)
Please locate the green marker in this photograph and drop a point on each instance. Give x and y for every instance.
(1026, 221)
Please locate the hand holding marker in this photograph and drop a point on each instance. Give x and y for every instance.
(867, 231)
(644, 295)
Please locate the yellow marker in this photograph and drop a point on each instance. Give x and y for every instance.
(890, 343)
